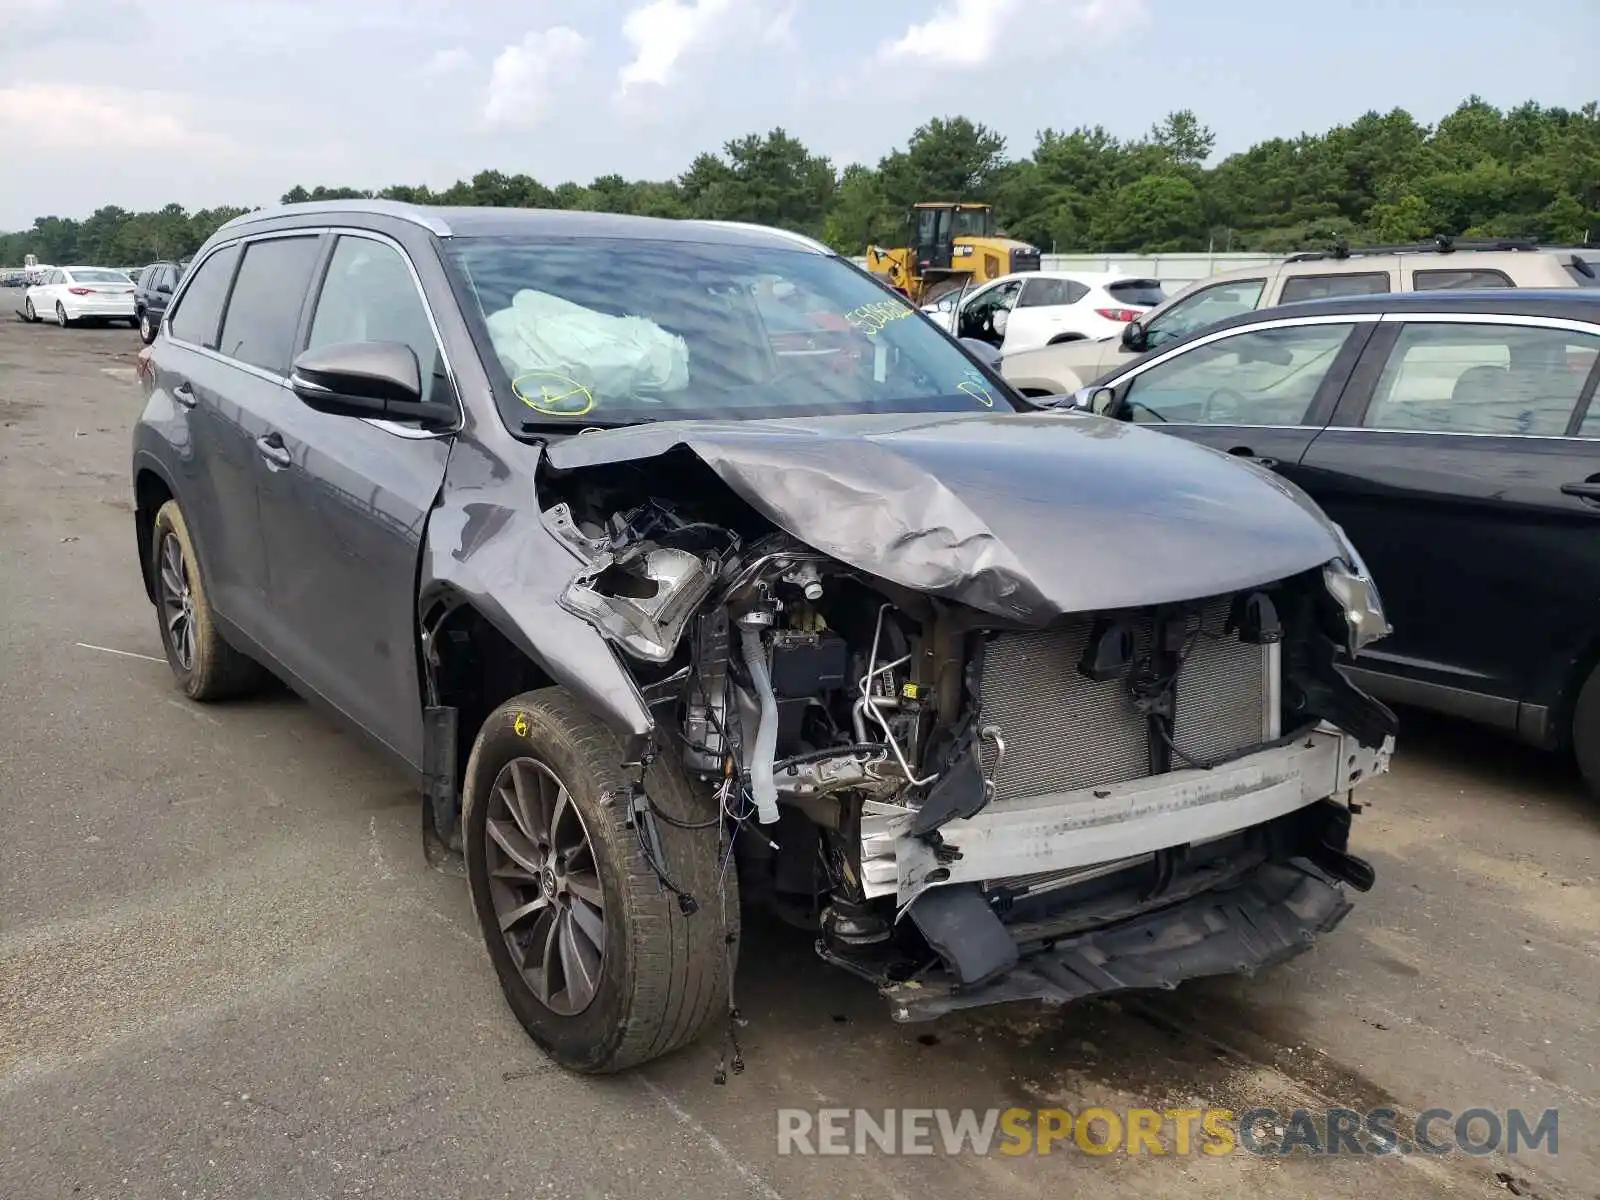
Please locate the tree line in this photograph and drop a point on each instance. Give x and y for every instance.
(1527, 172)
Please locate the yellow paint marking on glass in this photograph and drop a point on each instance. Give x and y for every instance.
(553, 394)
(978, 390)
(870, 318)
(520, 725)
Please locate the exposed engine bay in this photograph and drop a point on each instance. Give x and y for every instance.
(966, 808)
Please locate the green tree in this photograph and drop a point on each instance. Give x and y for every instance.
(946, 159)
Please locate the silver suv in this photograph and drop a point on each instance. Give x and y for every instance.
(1438, 265)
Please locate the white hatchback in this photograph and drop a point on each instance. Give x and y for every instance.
(69, 294)
(1043, 308)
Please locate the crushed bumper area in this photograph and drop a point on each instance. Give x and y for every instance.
(1271, 915)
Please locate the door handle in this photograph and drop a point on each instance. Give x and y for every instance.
(274, 451)
(184, 395)
(1588, 490)
(1250, 455)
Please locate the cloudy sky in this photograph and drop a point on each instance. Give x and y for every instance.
(203, 102)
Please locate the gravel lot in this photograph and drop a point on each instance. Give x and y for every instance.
(225, 969)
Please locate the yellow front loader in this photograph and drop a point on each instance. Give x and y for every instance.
(953, 245)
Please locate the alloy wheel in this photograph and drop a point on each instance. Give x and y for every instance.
(61, 315)
(177, 600)
(27, 309)
(544, 884)
(144, 327)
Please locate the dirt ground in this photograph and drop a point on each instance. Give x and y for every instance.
(225, 969)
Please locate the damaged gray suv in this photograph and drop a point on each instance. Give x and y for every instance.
(687, 567)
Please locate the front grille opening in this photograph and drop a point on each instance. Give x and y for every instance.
(1065, 732)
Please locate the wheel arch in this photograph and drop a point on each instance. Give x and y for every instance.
(151, 489)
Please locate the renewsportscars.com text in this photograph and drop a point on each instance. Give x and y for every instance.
(1377, 1132)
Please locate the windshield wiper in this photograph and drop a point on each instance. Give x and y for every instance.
(574, 424)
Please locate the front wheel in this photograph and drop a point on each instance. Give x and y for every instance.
(28, 311)
(596, 958)
(1586, 731)
(147, 329)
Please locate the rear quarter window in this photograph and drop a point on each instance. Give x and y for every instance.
(1585, 272)
(200, 308)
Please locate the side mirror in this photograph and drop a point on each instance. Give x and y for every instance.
(366, 379)
(1135, 337)
(163, 288)
(1101, 401)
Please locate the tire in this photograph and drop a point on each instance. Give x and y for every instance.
(206, 667)
(28, 313)
(147, 328)
(61, 315)
(1586, 731)
(662, 977)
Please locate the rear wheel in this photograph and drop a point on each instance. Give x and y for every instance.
(1586, 731)
(61, 315)
(596, 958)
(206, 667)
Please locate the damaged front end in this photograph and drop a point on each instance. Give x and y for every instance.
(969, 807)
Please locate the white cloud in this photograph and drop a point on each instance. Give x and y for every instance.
(525, 75)
(447, 62)
(62, 117)
(962, 33)
(968, 34)
(665, 32)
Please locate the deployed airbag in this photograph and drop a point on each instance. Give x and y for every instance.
(546, 340)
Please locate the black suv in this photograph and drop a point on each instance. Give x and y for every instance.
(156, 284)
(665, 606)
(1456, 439)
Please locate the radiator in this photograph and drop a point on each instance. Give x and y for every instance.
(1064, 731)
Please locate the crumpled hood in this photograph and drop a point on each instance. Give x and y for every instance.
(1025, 516)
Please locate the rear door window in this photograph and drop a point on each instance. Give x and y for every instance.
(1320, 286)
(1490, 379)
(264, 310)
(195, 318)
(1474, 277)
(1051, 293)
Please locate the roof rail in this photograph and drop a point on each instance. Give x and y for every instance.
(1443, 244)
(418, 214)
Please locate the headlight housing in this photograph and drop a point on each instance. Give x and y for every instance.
(1349, 582)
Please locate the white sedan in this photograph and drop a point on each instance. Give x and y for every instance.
(69, 294)
(1039, 308)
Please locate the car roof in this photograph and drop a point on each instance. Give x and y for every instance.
(1088, 278)
(446, 221)
(1578, 304)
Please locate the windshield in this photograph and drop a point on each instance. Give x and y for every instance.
(601, 331)
(100, 276)
(974, 222)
